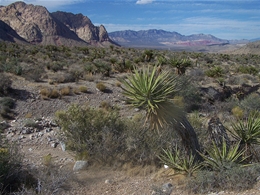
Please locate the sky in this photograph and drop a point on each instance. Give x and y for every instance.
(226, 19)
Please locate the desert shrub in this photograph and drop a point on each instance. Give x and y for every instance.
(55, 66)
(65, 91)
(251, 102)
(5, 84)
(54, 93)
(6, 105)
(49, 93)
(248, 70)
(105, 105)
(235, 179)
(101, 86)
(217, 71)
(83, 89)
(45, 92)
(189, 93)
(237, 112)
(98, 132)
(10, 167)
(106, 137)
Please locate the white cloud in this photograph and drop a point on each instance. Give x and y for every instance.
(46, 3)
(144, 1)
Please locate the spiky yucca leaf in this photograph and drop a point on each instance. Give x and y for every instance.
(248, 132)
(152, 91)
(224, 157)
(180, 163)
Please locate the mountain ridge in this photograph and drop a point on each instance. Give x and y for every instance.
(163, 38)
(37, 25)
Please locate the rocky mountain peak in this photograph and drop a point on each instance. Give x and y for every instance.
(37, 25)
(83, 27)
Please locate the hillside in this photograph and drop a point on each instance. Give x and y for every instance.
(37, 25)
(250, 48)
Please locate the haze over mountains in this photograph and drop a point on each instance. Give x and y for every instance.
(30, 24)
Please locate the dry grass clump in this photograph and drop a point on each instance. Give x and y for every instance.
(49, 93)
(45, 93)
(65, 90)
(54, 93)
(105, 105)
(101, 86)
(238, 112)
(83, 89)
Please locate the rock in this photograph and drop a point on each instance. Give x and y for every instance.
(108, 181)
(80, 165)
(63, 146)
(167, 188)
(26, 131)
(54, 144)
(4, 125)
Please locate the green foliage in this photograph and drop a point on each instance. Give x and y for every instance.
(151, 91)
(223, 158)
(217, 71)
(95, 131)
(235, 179)
(180, 64)
(6, 105)
(10, 167)
(5, 84)
(190, 93)
(251, 102)
(105, 137)
(248, 70)
(247, 132)
(180, 162)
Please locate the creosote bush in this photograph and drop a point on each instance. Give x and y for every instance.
(5, 84)
(106, 137)
(10, 167)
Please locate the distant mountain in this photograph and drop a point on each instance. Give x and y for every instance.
(161, 38)
(256, 39)
(37, 25)
(252, 48)
(9, 34)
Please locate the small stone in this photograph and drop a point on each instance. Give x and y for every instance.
(167, 188)
(137, 109)
(30, 149)
(47, 130)
(108, 181)
(63, 146)
(54, 145)
(80, 165)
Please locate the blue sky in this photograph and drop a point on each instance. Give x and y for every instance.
(226, 19)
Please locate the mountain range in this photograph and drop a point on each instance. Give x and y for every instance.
(161, 38)
(31, 24)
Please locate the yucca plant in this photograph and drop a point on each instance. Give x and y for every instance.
(223, 158)
(247, 132)
(180, 64)
(153, 91)
(180, 163)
